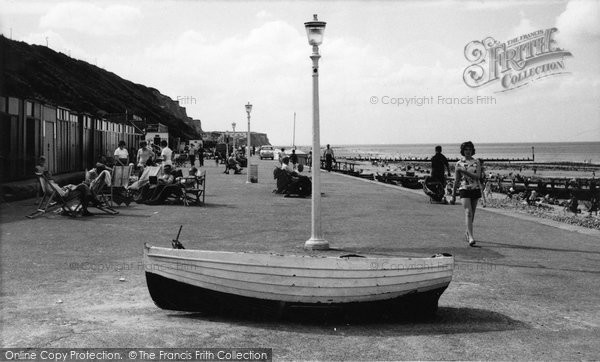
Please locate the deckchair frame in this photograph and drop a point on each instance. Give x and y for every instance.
(101, 201)
(53, 198)
(120, 180)
(193, 189)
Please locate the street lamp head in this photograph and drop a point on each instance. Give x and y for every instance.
(315, 30)
(248, 108)
(233, 125)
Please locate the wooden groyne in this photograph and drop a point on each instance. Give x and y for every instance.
(427, 159)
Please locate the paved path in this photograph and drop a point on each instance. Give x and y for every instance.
(529, 291)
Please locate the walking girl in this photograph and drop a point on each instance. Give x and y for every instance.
(466, 179)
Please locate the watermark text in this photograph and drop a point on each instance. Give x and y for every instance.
(421, 101)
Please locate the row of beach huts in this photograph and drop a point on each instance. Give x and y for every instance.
(70, 140)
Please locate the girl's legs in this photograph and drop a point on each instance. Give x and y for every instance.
(483, 199)
(473, 207)
(469, 205)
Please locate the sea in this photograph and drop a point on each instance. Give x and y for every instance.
(585, 152)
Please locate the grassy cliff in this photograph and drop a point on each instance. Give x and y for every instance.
(37, 72)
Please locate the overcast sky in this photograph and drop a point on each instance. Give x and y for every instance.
(217, 56)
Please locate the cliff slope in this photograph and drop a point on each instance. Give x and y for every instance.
(37, 72)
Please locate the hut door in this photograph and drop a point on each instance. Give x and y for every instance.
(49, 145)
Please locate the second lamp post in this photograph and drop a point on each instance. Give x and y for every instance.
(248, 144)
(233, 126)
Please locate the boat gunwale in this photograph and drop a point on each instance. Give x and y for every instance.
(441, 266)
(447, 260)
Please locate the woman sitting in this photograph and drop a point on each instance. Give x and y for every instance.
(232, 164)
(164, 188)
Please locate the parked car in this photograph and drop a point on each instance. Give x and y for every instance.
(266, 152)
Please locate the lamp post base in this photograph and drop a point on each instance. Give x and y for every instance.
(316, 244)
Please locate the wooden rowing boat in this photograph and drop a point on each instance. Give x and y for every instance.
(202, 280)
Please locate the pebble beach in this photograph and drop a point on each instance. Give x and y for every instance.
(507, 170)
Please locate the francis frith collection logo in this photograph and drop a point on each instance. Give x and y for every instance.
(516, 62)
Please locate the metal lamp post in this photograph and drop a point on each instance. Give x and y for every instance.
(315, 30)
(226, 145)
(233, 126)
(248, 143)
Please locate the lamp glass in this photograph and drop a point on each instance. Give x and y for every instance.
(315, 35)
(315, 30)
(248, 107)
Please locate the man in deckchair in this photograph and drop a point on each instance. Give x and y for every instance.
(81, 191)
(164, 188)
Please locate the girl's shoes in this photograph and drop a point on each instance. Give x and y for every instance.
(469, 240)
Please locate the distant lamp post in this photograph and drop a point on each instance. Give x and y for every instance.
(248, 144)
(315, 30)
(233, 126)
(226, 145)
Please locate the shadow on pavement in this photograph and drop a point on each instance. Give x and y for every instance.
(448, 320)
(527, 247)
(465, 251)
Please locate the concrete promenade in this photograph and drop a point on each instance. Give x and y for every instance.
(530, 290)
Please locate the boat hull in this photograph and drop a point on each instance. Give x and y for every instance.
(170, 294)
(209, 281)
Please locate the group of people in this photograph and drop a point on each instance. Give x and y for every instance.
(233, 163)
(293, 158)
(157, 193)
(193, 153)
(85, 191)
(99, 175)
(290, 179)
(145, 155)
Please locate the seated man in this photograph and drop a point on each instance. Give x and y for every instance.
(140, 188)
(593, 206)
(81, 191)
(532, 199)
(283, 179)
(190, 181)
(286, 165)
(164, 188)
(573, 205)
(100, 167)
(232, 164)
(511, 192)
